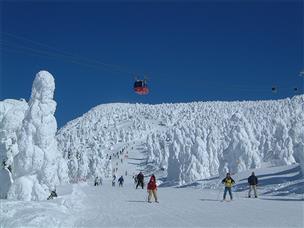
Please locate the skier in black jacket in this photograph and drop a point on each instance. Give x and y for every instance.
(140, 180)
(252, 181)
(120, 181)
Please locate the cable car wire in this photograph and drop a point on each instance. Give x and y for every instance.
(68, 55)
(22, 49)
(53, 52)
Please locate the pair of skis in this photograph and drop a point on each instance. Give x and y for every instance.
(226, 201)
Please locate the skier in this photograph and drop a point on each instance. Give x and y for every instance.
(252, 181)
(97, 181)
(152, 188)
(140, 180)
(228, 181)
(113, 181)
(53, 195)
(121, 180)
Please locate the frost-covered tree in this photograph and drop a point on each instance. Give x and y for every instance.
(174, 164)
(282, 144)
(241, 153)
(297, 135)
(11, 116)
(213, 150)
(39, 165)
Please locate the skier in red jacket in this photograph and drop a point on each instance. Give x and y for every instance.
(152, 188)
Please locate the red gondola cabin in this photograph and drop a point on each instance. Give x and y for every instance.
(141, 87)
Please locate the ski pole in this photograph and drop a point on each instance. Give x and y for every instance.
(219, 188)
(237, 195)
(218, 195)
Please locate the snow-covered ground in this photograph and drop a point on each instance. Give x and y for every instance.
(196, 205)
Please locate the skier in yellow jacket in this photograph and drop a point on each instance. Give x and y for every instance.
(228, 181)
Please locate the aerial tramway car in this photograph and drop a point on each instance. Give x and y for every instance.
(141, 87)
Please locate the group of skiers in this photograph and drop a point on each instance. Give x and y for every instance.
(139, 181)
(117, 154)
(120, 156)
(120, 181)
(152, 186)
(228, 181)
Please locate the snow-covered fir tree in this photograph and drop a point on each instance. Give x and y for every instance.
(39, 165)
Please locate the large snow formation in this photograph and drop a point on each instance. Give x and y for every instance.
(11, 116)
(36, 164)
(190, 141)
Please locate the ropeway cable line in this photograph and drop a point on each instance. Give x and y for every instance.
(18, 44)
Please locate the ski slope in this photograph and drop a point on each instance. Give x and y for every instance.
(84, 205)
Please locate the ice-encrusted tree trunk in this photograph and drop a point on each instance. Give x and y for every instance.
(39, 165)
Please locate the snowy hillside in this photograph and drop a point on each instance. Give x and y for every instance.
(189, 141)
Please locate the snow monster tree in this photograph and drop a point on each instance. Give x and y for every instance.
(39, 165)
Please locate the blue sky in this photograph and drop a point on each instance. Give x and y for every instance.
(191, 51)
